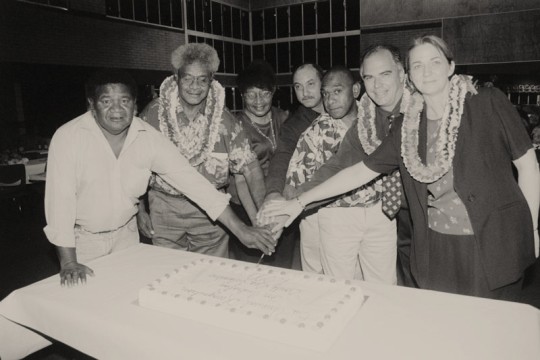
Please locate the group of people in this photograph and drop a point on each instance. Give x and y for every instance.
(411, 183)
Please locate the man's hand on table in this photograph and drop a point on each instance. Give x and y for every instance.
(72, 272)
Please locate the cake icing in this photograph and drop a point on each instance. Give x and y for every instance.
(294, 307)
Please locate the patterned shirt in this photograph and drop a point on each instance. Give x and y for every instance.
(231, 152)
(315, 147)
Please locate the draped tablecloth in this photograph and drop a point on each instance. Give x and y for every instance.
(103, 320)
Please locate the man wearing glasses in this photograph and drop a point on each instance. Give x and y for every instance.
(190, 112)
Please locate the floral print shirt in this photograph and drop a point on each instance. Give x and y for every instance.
(231, 152)
(315, 147)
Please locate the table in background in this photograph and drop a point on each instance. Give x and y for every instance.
(103, 320)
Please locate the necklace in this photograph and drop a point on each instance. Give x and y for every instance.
(366, 120)
(195, 140)
(271, 139)
(445, 146)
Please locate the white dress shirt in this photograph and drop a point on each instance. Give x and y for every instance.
(88, 186)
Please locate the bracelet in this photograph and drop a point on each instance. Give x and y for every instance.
(300, 203)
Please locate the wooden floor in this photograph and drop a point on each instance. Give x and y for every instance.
(26, 256)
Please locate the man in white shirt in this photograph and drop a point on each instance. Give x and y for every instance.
(99, 165)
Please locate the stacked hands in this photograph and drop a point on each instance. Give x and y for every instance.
(279, 211)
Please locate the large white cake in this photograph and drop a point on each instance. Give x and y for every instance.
(293, 307)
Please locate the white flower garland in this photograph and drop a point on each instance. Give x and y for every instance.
(445, 147)
(366, 120)
(191, 139)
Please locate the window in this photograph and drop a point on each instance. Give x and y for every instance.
(323, 17)
(295, 13)
(310, 51)
(270, 24)
(245, 25)
(353, 51)
(282, 22)
(310, 19)
(283, 57)
(227, 25)
(258, 52)
(325, 55)
(257, 25)
(216, 18)
(246, 55)
(296, 54)
(338, 16)
(159, 12)
(228, 57)
(218, 45)
(353, 14)
(338, 51)
(270, 55)
(238, 56)
(236, 23)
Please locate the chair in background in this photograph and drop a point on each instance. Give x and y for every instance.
(13, 184)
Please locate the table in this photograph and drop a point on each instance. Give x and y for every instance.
(35, 169)
(103, 320)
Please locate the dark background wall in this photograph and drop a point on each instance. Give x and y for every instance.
(47, 53)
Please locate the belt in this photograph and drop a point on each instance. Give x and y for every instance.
(368, 204)
(181, 195)
(79, 227)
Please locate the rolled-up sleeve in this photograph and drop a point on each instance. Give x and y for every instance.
(177, 171)
(60, 190)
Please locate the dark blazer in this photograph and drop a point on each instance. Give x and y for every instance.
(490, 136)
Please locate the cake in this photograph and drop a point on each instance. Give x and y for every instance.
(288, 306)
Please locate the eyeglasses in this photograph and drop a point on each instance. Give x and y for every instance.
(252, 95)
(202, 81)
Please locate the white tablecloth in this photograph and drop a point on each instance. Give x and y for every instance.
(102, 319)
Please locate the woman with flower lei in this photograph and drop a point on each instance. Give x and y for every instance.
(475, 227)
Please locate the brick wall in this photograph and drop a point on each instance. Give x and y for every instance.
(50, 36)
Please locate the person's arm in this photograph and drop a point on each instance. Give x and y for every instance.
(61, 206)
(242, 190)
(254, 177)
(289, 134)
(350, 152)
(178, 172)
(344, 181)
(529, 183)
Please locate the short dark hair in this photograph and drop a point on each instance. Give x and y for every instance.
(318, 69)
(340, 69)
(370, 50)
(258, 74)
(103, 77)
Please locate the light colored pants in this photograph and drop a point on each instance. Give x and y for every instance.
(310, 244)
(90, 246)
(180, 224)
(358, 235)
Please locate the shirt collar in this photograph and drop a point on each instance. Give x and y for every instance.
(395, 112)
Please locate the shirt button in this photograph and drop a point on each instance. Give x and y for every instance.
(471, 198)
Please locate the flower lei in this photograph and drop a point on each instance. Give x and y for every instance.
(192, 139)
(445, 146)
(366, 120)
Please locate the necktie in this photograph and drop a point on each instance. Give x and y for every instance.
(391, 195)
